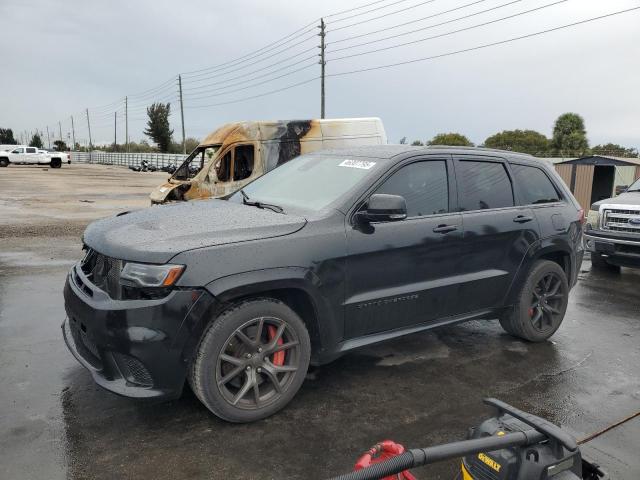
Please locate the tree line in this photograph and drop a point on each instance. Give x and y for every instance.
(569, 139)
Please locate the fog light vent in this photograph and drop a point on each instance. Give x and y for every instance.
(134, 370)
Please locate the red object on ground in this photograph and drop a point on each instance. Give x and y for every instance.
(381, 452)
(278, 357)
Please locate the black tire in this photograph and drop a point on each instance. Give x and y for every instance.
(56, 163)
(239, 373)
(541, 303)
(4, 162)
(599, 263)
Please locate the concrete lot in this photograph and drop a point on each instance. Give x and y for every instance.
(420, 390)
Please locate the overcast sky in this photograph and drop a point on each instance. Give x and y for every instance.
(59, 58)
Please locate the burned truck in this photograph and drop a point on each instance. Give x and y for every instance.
(237, 153)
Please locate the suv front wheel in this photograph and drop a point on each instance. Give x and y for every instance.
(541, 304)
(251, 360)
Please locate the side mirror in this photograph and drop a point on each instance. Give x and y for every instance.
(384, 208)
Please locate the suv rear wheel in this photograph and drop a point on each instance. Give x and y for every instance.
(251, 360)
(56, 163)
(542, 303)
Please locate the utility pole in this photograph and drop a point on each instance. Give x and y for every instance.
(322, 64)
(126, 123)
(60, 127)
(48, 138)
(89, 127)
(73, 133)
(184, 145)
(115, 130)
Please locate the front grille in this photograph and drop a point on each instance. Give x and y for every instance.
(103, 272)
(618, 220)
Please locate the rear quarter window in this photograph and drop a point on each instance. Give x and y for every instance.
(534, 186)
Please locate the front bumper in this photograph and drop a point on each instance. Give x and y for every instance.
(135, 348)
(618, 249)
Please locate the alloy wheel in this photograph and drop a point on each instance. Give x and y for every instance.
(546, 301)
(258, 363)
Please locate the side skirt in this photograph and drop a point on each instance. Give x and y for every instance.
(388, 335)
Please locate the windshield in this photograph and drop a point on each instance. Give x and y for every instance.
(194, 162)
(309, 182)
(635, 186)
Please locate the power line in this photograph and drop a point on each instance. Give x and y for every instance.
(408, 23)
(277, 43)
(232, 63)
(355, 8)
(302, 52)
(249, 79)
(197, 97)
(244, 75)
(438, 25)
(368, 11)
(479, 47)
(380, 16)
(158, 87)
(264, 94)
(420, 40)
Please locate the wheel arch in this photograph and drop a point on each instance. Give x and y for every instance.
(296, 287)
(553, 250)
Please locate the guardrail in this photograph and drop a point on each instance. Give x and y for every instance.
(128, 159)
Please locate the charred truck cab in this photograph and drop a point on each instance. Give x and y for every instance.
(237, 153)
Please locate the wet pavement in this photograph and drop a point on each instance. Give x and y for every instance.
(419, 390)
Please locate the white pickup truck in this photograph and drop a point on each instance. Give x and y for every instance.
(24, 155)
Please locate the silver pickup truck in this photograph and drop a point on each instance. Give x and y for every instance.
(612, 232)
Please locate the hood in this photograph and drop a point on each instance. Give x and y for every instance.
(627, 198)
(156, 234)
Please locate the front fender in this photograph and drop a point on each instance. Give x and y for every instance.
(253, 283)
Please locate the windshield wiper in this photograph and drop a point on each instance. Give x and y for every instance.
(247, 201)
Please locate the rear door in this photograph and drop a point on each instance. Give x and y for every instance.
(403, 273)
(32, 155)
(497, 232)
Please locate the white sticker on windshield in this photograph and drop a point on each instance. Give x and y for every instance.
(363, 164)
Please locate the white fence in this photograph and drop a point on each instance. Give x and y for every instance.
(128, 159)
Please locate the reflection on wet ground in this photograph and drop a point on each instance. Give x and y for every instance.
(420, 390)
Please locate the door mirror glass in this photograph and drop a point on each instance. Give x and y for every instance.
(384, 208)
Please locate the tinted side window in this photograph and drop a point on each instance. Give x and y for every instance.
(243, 162)
(31, 150)
(533, 185)
(423, 185)
(483, 185)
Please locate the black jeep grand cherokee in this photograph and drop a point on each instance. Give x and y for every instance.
(328, 252)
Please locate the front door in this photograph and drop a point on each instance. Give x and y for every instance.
(403, 273)
(497, 232)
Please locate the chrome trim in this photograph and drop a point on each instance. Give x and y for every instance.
(611, 240)
(602, 217)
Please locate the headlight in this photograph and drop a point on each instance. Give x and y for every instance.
(593, 219)
(145, 275)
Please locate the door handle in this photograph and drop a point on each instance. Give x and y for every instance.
(445, 228)
(522, 219)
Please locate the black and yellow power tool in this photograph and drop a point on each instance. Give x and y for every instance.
(512, 445)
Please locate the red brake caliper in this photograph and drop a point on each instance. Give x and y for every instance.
(278, 357)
